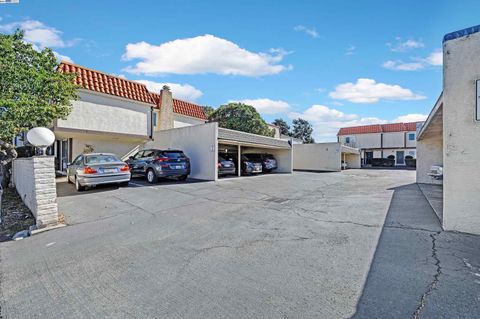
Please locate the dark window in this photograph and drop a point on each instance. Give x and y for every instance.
(154, 118)
(411, 136)
(138, 155)
(347, 139)
(173, 154)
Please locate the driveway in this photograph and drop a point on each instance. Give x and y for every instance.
(360, 243)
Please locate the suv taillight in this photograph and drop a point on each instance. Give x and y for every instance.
(161, 159)
(89, 170)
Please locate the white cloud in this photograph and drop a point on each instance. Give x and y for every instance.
(435, 58)
(369, 91)
(414, 117)
(39, 34)
(61, 57)
(401, 45)
(266, 106)
(310, 31)
(202, 54)
(181, 91)
(350, 50)
(326, 121)
(402, 66)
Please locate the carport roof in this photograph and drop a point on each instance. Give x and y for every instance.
(238, 137)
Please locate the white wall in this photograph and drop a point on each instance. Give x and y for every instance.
(98, 112)
(182, 121)
(411, 143)
(352, 160)
(34, 179)
(121, 146)
(461, 135)
(317, 157)
(371, 140)
(394, 139)
(199, 142)
(429, 152)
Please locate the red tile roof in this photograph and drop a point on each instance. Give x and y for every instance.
(105, 83)
(378, 128)
(182, 107)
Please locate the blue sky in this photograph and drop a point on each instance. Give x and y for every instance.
(334, 63)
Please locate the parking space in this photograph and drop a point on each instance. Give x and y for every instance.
(301, 245)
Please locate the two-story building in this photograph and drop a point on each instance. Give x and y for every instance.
(116, 115)
(396, 140)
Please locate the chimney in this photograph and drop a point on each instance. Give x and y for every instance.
(166, 109)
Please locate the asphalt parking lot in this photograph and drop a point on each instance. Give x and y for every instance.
(359, 243)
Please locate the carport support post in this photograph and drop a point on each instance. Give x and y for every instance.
(239, 160)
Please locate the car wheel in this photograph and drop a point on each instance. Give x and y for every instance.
(124, 184)
(68, 180)
(151, 176)
(183, 178)
(78, 187)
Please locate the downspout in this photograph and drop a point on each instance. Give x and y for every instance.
(151, 122)
(381, 145)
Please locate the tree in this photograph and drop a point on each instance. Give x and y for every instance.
(208, 110)
(32, 92)
(240, 117)
(303, 130)
(284, 127)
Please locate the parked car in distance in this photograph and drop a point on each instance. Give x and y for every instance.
(89, 170)
(251, 166)
(268, 162)
(156, 163)
(226, 166)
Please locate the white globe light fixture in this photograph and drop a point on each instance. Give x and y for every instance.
(41, 137)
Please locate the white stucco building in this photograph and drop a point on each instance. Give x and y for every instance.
(451, 136)
(116, 115)
(397, 140)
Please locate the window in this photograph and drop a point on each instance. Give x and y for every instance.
(78, 160)
(154, 118)
(138, 155)
(347, 139)
(411, 136)
(100, 159)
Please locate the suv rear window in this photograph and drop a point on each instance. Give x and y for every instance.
(173, 154)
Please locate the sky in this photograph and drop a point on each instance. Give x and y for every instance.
(333, 63)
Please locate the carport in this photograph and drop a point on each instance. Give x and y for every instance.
(325, 157)
(202, 143)
(246, 143)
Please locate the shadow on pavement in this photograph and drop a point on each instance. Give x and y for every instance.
(418, 270)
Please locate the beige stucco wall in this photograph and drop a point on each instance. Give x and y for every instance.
(394, 139)
(411, 143)
(99, 112)
(372, 140)
(199, 142)
(461, 135)
(317, 157)
(429, 152)
(352, 160)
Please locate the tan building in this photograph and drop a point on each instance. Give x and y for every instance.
(396, 140)
(450, 138)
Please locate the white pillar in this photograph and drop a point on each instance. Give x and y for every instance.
(239, 164)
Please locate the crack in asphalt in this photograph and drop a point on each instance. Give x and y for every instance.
(433, 285)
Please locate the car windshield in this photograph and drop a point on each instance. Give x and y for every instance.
(173, 155)
(98, 159)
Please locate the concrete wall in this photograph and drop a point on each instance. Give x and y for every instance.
(429, 152)
(461, 134)
(353, 160)
(34, 179)
(199, 142)
(98, 112)
(181, 121)
(394, 139)
(317, 157)
(284, 157)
